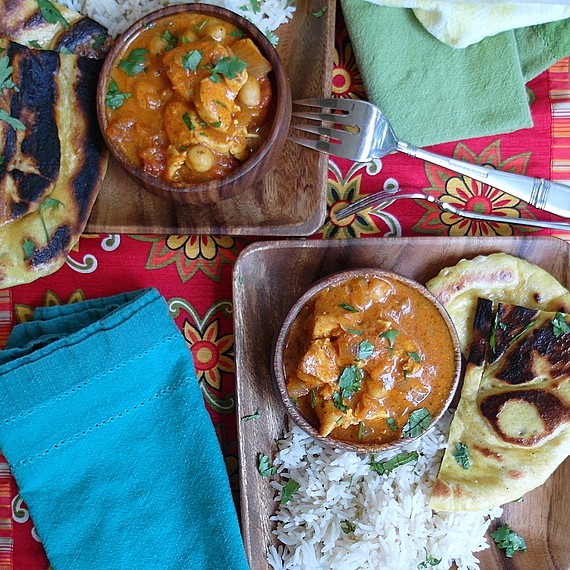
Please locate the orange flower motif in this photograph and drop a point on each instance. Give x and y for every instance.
(212, 353)
(473, 196)
(191, 254)
(196, 246)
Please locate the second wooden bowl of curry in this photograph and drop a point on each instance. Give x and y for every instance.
(367, 360)
(193, 101)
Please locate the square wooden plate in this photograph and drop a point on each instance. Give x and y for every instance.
(270, 276)
(289, 201)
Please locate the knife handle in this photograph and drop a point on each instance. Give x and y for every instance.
(538, 192)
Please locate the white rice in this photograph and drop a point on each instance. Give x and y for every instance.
(395, 530)
(118, 15)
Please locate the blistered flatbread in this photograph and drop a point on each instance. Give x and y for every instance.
(52, 169)
(44, 24)
(500, 277)
(511, 429)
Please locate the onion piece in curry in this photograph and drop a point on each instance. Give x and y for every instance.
(367, 357)
(188, 99)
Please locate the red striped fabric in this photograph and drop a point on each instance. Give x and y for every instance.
(559, 88)
(6, 535)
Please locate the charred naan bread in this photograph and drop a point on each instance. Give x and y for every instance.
(54, 159)
(500, 277)
(511, 429)
(44, 24)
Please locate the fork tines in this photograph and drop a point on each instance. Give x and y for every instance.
(335, 136)
(342, 104)
(324, 116)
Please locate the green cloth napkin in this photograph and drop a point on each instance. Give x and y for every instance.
(433, 93)
(105, 430)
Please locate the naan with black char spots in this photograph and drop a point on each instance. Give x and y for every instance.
(44, 24)
(511, 429)
(53, 158)
(499, 277)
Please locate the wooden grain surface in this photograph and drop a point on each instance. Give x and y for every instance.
(289, 201)
(270, 276)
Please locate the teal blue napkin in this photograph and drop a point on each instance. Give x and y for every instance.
(104, 427)
(433, 93)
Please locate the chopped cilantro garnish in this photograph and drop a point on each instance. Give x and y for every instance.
(320, 13)
(14, 123)
(237, 33)
(385, 467)
(508, 540)
(348, 308)
(228, 67)
(429, 560)
(414, 356)
(338, 402)
(170, 40)
(264, 466)
(35, 44)
(347, 527)
(559, 325)
(249, 417)
(135, 62)
(365, 349)
(418, 421)
(6, 74)
(461, 455)
(115, 98)
(192, 59)
(390, 336)
(392, 424)
(49, 203)
(314, 400)
(188, 122)
(288, 491)
(216, 124)
(28, 246)
(51, 14)
(350, 381)
(201, 25)
(99, 41)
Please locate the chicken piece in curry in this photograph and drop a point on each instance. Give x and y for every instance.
(364, 355)
(188, 99)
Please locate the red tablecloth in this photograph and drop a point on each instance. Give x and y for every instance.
(194, 272)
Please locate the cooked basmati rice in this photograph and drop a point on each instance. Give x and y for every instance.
(118, 15)
(394, 528)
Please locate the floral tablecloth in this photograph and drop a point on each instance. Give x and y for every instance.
(194, 272)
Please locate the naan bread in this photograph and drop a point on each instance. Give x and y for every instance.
(500, 277)
(512, 424)
(52, 26)
(53, 169)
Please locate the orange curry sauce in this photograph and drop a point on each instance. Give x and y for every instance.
(188, 98)
(365, 354)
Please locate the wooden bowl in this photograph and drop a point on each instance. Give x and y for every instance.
(250, 171)
(298, 314)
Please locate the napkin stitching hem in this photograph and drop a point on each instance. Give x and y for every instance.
(95, 427)
(86, 382)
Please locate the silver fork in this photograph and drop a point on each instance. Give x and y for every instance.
(386, 197)
(366, 134)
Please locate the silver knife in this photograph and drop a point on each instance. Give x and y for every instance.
(538, 192)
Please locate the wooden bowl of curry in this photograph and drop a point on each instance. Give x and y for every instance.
(194, 103)
(367, 360)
